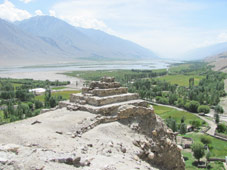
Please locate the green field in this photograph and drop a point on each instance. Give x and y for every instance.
(1, 115)
(64, 94)
(219, 147)
(164, 112)
(190, 160)
(179, 67)
(96, 75)
(58, 88)
(181, 80)
(120, 75)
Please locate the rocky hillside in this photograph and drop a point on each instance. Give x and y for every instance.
(128, 136)
(218, 61)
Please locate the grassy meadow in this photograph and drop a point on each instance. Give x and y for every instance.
(58, 88)
(181, 80)
(164, 112)
(64, 94)
(190, 163)
(96, 75)
(219, 149)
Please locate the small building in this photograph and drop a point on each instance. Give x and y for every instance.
(38, 91)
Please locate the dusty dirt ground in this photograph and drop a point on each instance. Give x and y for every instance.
(76, 83)
(51, 138)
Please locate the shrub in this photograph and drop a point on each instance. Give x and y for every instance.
(205, 140)
(218, 109)
(221, 128)
(195, 123)
(192, 106)
(38, 104)
(204, 109)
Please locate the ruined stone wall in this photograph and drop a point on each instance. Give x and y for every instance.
(160, 148)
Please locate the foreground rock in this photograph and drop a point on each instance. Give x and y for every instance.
(129, 136)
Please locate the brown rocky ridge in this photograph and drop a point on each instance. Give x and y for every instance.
(104, 127)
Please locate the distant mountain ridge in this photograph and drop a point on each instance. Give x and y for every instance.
(46, 39)
(206, 52)
(215, 55)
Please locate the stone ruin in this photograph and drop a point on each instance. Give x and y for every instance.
(111, 103)
(103, 97)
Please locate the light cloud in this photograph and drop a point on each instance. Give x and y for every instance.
(39, 12)
(222, 37)
(26, 1)
(155, 24)
(52, 13)
(9, 12)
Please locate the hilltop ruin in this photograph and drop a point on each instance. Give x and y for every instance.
(103, 128)
(114, 103)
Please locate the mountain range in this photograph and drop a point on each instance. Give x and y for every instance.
(215, 55)
(46, 39)
(206, 52)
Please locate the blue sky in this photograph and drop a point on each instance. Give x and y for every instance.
(167, 27)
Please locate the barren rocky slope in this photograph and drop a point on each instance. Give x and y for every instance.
(218, 61)
(131, 137)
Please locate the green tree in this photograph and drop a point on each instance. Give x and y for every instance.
(217, 118)
(171, 123)
(198, 150)
(183, 128)
(191, 82)
(182, 119)
(53, 101)
(47, 97)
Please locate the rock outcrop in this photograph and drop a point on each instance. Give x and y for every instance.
(96, 129)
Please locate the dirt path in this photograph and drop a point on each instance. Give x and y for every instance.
(212, 125)
(76, 83)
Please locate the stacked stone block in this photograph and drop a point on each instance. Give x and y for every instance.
(104, 97)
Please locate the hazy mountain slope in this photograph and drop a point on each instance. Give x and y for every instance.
(216, 55)
(117, 45)
(202, 53)
(16, 46)
(45, 40)
(219, 61)
(84, 43)
(57, 33)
